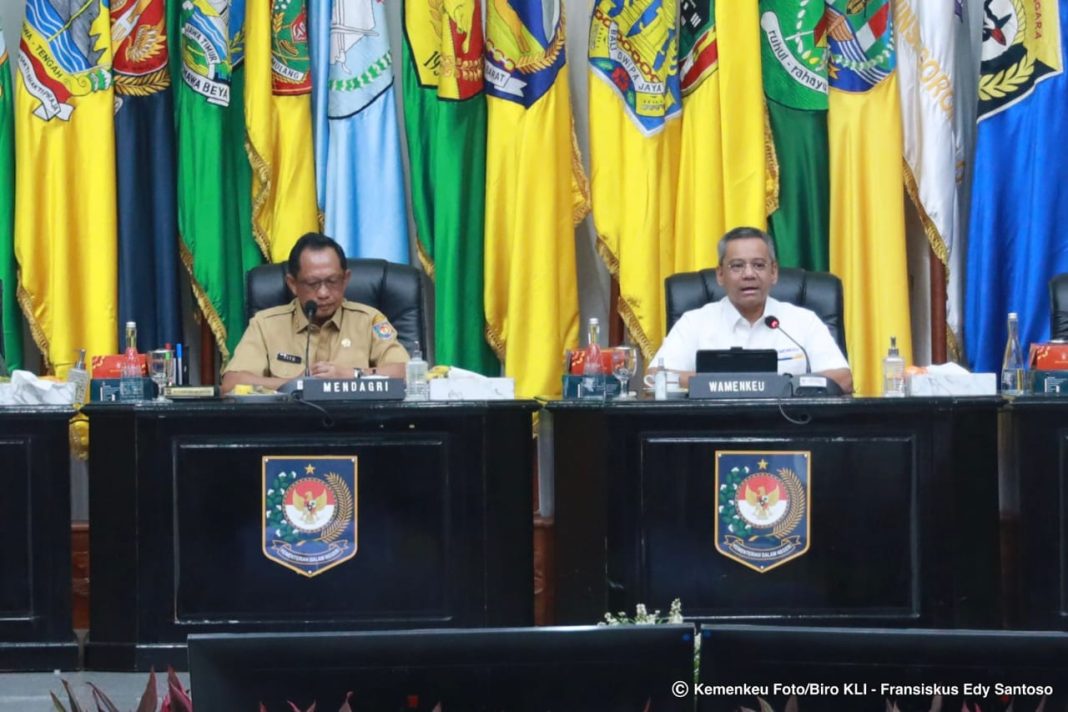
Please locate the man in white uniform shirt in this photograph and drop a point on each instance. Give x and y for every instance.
(747, 270)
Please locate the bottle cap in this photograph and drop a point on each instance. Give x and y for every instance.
(1014, 315)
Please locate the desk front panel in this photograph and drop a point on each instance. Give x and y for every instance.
(35, 583)
(443, 523)
(903, 526)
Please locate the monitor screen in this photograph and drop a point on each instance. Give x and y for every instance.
(737, 361)
(609, 668)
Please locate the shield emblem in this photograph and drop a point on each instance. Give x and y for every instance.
(309, 512)
(763, 506)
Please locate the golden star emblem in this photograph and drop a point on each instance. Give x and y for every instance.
(310, 469)
(762, 464)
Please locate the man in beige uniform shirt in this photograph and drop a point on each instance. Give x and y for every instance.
(346, 337)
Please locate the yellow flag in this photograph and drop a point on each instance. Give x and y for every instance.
(635, 104)
(65, 221)
(278, 117)
(535, 194)
(723, 176)
(867, 187)
(742, 125)
(700, 213)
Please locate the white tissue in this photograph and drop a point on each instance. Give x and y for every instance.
(27, 389)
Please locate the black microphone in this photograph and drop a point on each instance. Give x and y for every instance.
(310, 307)
(772, 322)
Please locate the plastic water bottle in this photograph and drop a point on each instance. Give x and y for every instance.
(660, 381)
(131, 385)
(593, 377)
(1012, 365)
(80, 378)
(417, 388)
(893, 372)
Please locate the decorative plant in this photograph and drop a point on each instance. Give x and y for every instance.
(176, 700)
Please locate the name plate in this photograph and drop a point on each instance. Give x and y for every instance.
(328, 389)
(740, 385)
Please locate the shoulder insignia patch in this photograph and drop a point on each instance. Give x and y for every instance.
(384, 330)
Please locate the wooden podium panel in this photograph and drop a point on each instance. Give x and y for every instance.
(1035, 511)
(903, 511)
(443, 526)
(35, 604)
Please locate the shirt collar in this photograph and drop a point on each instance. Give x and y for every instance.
(733, 316)
(301, 322)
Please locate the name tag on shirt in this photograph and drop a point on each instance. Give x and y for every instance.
(288, 358)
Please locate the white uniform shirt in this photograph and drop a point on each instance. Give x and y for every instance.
(718, 325)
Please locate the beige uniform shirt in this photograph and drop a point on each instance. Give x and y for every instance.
(356, 336)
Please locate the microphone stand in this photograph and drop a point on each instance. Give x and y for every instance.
(309, 312)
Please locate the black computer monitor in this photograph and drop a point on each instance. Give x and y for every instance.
(625, 668)
(846, 669)
(737, 361)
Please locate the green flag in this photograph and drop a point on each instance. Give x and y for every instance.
(794, 65)
(12, 315)
(214, 177)
(445, 114)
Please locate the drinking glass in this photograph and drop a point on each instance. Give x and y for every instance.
(161, 370)
(624, 365)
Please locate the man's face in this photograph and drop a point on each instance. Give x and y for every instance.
(747, 272)
(322, 278)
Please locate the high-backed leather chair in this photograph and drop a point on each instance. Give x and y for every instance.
(1058, 306)
(394, 289)
(820, 292)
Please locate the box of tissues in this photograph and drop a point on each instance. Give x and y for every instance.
(459, 384)
(949, 379)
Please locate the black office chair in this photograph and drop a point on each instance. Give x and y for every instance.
(1058, 306)
(820, 292)
(395, 290)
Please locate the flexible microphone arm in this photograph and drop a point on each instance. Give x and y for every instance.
(310, 308)
(773, 323)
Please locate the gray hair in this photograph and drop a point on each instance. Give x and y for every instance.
(741, 233)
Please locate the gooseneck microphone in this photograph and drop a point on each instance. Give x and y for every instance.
(772, 322)
(310, 307)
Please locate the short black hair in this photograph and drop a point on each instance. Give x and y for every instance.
(741, 233)
(314, 241)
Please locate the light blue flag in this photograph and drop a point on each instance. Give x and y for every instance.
(360, 180)
(1019, 208)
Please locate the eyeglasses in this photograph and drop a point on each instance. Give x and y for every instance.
(738, 266)
(331, 283)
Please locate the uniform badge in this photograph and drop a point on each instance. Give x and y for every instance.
(345, 343)
(763, 507)
(384, 330)
(309, 512)
(288, 358)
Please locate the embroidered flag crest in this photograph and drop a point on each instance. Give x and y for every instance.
(309, 512)
(763, 507)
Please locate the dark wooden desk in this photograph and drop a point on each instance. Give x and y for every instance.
(35, 608)
(1035, 511)
(444, 505)
(904, 511)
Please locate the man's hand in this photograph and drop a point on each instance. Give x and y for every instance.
(325, 369)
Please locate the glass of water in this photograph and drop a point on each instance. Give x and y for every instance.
(161, 370)
(624, 365)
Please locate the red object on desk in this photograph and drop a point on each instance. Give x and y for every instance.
(1049, 357)
(577, 361)
(111, 366)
